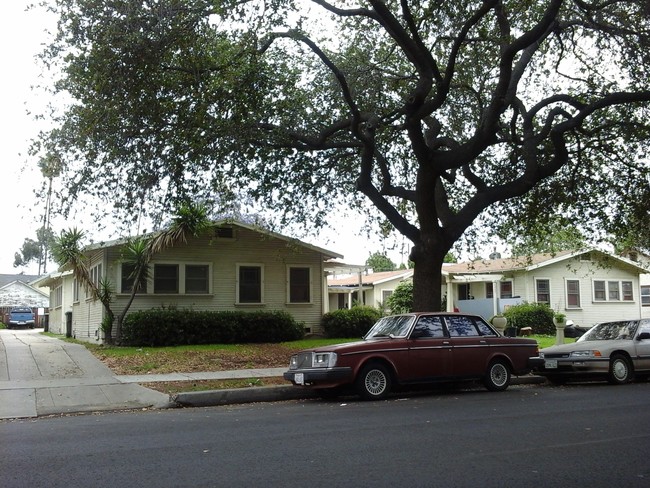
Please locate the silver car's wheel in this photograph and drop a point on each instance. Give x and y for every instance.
(374, 382)
(498, 376)
(620, 370)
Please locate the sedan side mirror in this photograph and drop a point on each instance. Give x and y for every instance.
(643, 335)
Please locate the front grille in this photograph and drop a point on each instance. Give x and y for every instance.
(556, 356)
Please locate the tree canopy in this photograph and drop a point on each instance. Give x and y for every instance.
(380, 262)
(440, 118)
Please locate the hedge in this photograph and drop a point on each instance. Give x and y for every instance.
(538, 316)
(352, 322)
(173, 327)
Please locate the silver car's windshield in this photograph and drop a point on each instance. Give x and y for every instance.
(611, 331)
(394, 326)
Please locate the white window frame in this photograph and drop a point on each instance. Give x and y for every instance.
(566, 294)
(645, 295)
(182, 274)
(548, 291)
(613, 291)
(238, 266)
(311, 284)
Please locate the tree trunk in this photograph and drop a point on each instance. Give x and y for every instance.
(427, 276)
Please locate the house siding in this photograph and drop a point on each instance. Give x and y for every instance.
(222, 256)
(585, 272)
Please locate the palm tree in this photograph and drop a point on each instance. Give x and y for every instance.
(68, 254)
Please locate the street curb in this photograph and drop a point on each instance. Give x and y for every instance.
(214, 398)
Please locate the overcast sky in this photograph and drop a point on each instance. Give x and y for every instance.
(22, 35)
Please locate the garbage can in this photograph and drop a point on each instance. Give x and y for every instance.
(46, 322)
(68, 324)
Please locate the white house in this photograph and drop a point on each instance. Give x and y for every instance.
(235, 267)
(23, 290)
(588, 286)
(364, 287)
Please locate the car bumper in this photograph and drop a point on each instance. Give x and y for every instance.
(535, 363)
(552, 366)
(319, 377)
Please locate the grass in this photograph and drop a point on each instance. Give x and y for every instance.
(213, 357)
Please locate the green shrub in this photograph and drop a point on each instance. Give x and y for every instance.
(353, 322)
(538, 316)
(401, 300)
(172, 327)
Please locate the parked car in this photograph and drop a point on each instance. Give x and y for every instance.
(21, 316)
(416, 348)
(615, 351)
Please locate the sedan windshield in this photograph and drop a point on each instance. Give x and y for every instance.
(394, 326)
(610, 331)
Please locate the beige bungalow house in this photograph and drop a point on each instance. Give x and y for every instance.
(236, 266)
(588, 286)
(365, 287)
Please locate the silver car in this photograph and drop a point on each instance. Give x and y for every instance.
(615, 351)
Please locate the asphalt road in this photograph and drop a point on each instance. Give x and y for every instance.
(538, 436)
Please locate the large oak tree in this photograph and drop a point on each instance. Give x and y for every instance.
(443, 117)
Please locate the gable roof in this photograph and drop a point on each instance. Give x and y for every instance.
(372, 278)
(532, 262)
(5, 279)
(227, 222)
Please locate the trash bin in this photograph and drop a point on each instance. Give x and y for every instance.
(68, 324)
(46, 322)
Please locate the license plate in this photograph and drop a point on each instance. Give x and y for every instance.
(299, 378)
(550, 364)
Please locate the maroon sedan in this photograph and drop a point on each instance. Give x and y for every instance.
(415, 348)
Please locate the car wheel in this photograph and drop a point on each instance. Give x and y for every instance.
(498, 376)
(620, 370)
(374, 382)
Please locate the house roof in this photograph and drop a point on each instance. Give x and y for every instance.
(5, 279)
(532, 262)
(227, 222)
(372, 278)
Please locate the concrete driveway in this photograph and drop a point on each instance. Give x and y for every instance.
(41, 375)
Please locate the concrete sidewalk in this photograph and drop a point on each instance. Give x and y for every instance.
(41, 375)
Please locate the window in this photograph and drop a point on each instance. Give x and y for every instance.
(428, 326)
(57, 297)
(628, 295)
(506, 289)
(75, 290)
(613, 291)
(543, 291)
(645, 296)
(460, 326)
(96, 274)
(126, 282)
(197, 278)
(463, 291)
(573, 293)
(165, 278)
(489, 290)
(250, 280)
(224, 233)
(387, 293)
(299, 285)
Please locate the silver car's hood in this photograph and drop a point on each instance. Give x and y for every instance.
(588, 346)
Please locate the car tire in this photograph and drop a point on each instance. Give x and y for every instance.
(620, 370)
(498, 376)
(374, 382)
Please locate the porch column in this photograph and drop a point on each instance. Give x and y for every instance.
(495, 300)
